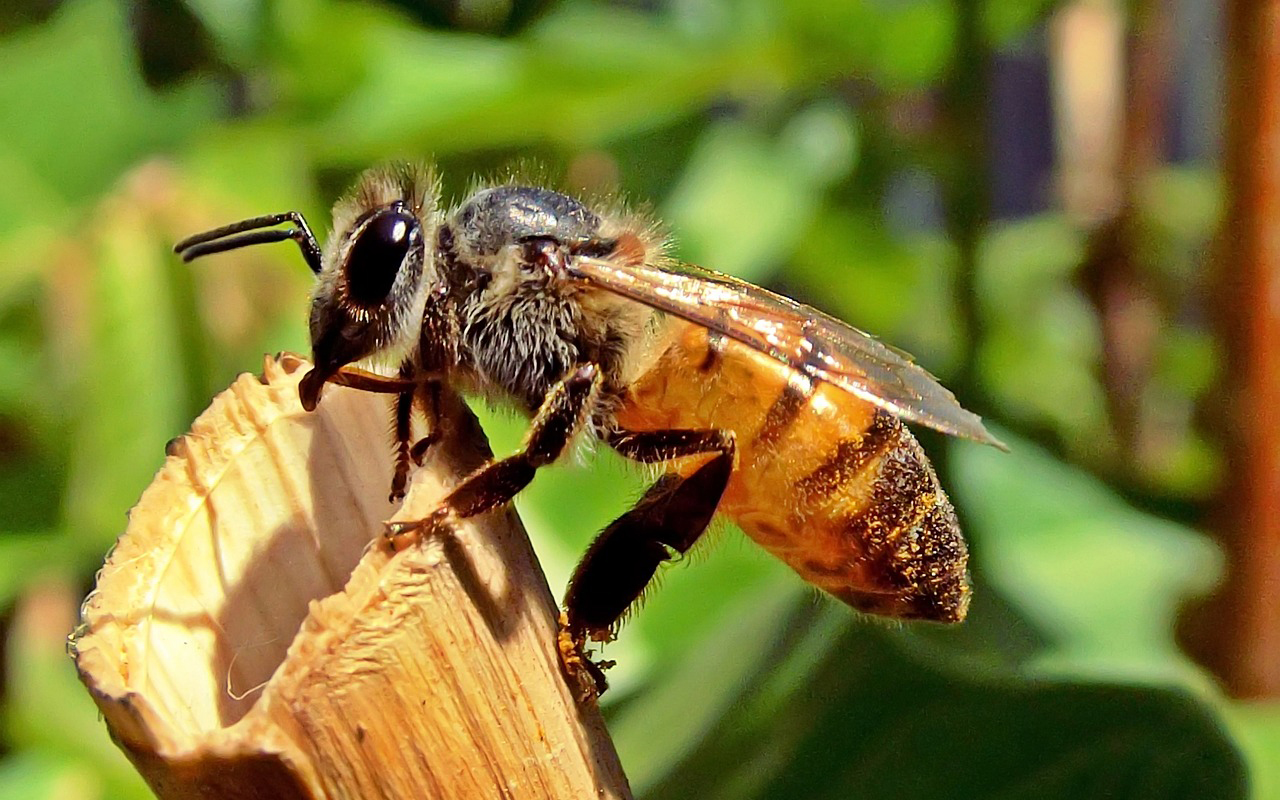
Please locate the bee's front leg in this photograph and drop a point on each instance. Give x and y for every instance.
(563, 411)
(404, 387)
(354, 378)
(410, 453)
(403, 415)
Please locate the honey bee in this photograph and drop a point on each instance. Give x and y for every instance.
(769, 412)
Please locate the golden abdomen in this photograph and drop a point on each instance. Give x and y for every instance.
(836, 488)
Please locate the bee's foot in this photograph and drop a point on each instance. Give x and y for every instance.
(586, 677)
(405, 533)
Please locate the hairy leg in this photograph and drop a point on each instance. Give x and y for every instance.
(561, 415)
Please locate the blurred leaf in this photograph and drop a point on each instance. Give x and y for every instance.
(236, 25)
(456, 91)
(902, 45)
(47, 710)
(1180, 210)
(39, 775)
(27, 558)
(1187, 361)
(721, 665)
(1020, 258)
(33, 482)
(26, 386)
(1005, 20)
(552, 84)
(849, 264)
(130, 399)
(86, 113)
(1103, 580)
(1257, 729)
(866, 721)
(1042, 342)
(915, 42)
(32, 217)
(744, 203)
(1185, 202)
(821, 140)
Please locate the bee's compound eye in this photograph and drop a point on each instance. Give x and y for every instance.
(377, 254)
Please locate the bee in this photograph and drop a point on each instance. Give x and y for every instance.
(761, 409)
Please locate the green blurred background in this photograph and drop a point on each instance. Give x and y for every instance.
(965, 179)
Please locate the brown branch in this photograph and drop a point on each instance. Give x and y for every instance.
(1243, 640)
(1111, 135)
(246, 640)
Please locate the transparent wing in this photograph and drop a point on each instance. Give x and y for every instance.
(797, 335)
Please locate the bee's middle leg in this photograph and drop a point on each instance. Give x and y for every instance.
(563, 412)
(403, 415)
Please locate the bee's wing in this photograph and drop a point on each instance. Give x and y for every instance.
(797, 335)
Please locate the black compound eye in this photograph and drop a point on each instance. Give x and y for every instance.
(377, 254)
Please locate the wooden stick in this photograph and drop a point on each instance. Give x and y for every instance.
(1238, 633)
(246, 640)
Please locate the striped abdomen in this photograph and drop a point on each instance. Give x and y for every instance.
(836, 488)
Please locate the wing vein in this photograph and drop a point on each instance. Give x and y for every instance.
(798, 336)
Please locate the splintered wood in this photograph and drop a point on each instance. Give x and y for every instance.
(250, 637)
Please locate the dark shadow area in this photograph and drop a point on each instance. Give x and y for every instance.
(302, 560)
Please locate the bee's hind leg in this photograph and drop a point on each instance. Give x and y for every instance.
(668, 520)
(563, 412)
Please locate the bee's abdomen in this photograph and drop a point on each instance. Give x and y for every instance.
(839, 490)
(896, 547)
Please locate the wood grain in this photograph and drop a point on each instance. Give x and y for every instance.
(247, 640)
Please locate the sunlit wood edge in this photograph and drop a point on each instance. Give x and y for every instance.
(433, 672)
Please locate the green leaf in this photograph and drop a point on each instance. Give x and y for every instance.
(48, 713)
(85, 110)
(901, 45)
(437, 92)
(1256, 726)
(1101, 579)
(39, 775)
(440, 92)
(721, 663)
(744, 202)
(849, 265)
(1006, 20)
(26, 558)
(868, 721)
(1037, 317)
(32, 216)
(131, 395)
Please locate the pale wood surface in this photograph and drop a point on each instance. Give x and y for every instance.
(246, 640)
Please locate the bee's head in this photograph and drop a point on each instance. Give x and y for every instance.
(371, 291)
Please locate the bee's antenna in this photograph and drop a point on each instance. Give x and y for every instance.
(225, 238)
